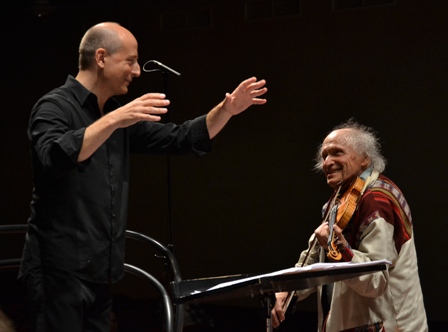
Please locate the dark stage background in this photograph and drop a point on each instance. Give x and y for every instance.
(251, 204)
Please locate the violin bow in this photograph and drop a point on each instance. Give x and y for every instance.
(327, 214)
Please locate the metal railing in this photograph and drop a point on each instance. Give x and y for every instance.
(173, 317)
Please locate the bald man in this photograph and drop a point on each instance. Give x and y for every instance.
(81, 139)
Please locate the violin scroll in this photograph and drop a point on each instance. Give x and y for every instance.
(333, 253)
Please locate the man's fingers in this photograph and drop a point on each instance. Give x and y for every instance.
(156, 102)
(152, 103)
(257, 93)
(153, 99)
(153, 95)
(251, 87)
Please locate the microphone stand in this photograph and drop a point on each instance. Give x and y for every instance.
(165, 70)
(168, 173)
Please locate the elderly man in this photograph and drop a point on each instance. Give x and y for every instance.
(379, 228)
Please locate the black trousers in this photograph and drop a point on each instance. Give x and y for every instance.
(61, 301)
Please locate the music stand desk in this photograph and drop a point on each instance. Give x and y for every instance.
(232, 286)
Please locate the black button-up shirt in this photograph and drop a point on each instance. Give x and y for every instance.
(79, 210)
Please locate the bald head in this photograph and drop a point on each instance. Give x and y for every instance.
(107, 35)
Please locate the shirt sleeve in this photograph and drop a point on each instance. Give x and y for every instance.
(190, 137)
(55, 144)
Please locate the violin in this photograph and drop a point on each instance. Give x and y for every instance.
(345, 209)
(339, 211)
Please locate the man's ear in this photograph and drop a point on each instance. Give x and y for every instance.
(365, 162)
(100, 55)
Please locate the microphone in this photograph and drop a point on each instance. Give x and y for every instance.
(160, 65)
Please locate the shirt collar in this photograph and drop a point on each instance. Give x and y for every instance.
(79, 91)
(83, 95)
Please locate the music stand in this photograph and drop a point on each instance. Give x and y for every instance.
(266, 285)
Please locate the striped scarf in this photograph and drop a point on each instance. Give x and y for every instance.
(385, 191)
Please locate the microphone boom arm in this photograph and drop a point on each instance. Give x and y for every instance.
(160, 65)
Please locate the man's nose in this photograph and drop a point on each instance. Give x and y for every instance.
(328, 160)
(136, 70)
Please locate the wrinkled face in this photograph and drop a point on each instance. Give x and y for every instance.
(340, 162)
(121, 67)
